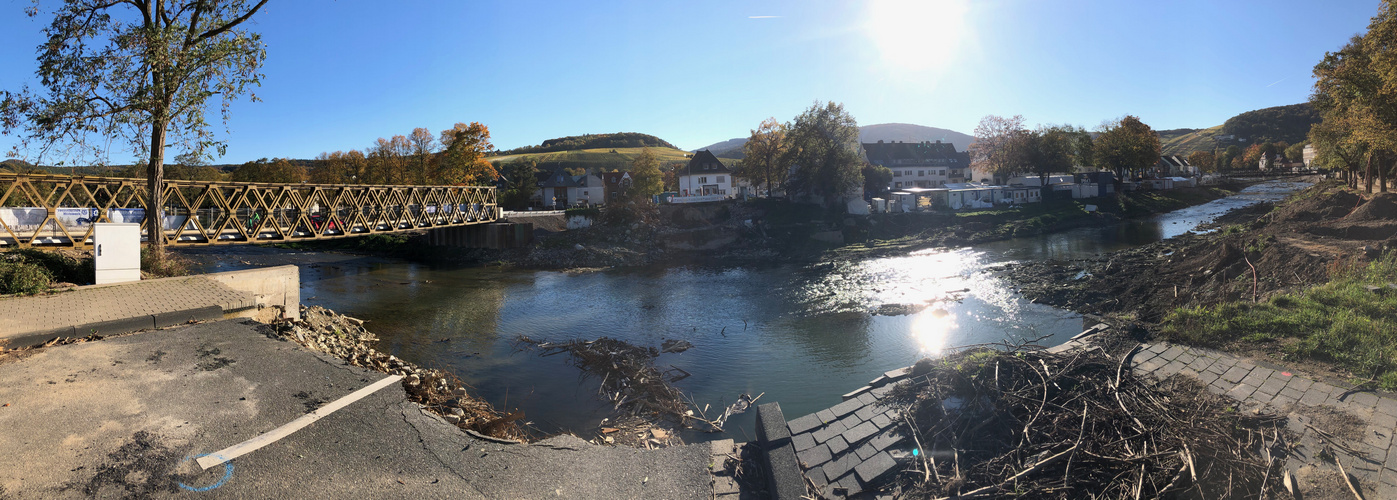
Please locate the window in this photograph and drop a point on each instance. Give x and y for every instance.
(943, 172)
(897, 185)
(703, 180)
(720, 178)
(921, 173)
(897, 173)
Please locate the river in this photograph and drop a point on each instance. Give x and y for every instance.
(801, 334)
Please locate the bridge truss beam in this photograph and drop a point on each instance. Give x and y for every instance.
(59, 210)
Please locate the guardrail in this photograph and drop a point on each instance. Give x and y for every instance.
(59, 210)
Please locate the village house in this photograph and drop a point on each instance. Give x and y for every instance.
(705, 175)
(614, 183)
(923, 164)
(1308, 155)
(560, 190)
(1172, 166)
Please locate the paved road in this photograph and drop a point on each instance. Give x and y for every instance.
(119, 417)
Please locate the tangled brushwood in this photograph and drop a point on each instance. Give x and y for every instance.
(440, 391)
(1080, 424)
(647, 408)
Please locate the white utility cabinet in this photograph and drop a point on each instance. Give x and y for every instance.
(117, 252)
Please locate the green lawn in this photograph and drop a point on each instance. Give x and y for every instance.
(1341, 322)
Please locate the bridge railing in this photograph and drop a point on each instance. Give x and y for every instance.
(59, 210)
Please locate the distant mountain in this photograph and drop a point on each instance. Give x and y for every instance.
(906, 132)
(887, 132)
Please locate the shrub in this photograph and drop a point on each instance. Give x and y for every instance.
(23, 278)
(163, 266)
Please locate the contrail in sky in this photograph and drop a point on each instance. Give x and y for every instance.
(762, 17)
(1278, 81)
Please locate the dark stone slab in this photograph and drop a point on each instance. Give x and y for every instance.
(32, 338)
(886, 439)
(875, 468)
(804, 424)
(116, 326)
(856, 393)
(210, 313)
(865, 452)
(845, 408)
(829, 431)
(868, 412)
(837, 445)
(850, 484)
(771, 424)
(814, 457)
(880, 391)
(860, 432)
(826, 416)
(803, 441)
(840, 466)
(851, 421)
(881, 421)
(867, 397)
(784, 479)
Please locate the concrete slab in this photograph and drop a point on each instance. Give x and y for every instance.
(119, 417)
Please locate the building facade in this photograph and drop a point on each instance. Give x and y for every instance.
(920, 164)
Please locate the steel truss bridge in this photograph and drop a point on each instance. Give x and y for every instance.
(59, 210)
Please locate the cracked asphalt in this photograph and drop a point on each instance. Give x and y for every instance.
(123, 417)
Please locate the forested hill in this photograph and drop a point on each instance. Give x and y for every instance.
(1281, 123)
(593, 141)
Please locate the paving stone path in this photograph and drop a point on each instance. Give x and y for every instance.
(96, 304)
(849, 446)
(1283, 391)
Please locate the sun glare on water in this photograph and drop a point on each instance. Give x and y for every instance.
(917, 34)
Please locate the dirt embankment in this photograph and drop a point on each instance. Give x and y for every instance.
(1255, 253)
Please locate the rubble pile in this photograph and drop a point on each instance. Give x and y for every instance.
(344, 337)
(1034, 424)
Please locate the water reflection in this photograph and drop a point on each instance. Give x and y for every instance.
(801, 334)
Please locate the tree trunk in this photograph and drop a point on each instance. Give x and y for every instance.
(1382, 173)
(1368, 175)
(155, 179)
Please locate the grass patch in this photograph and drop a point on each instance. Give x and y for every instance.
(1341, 322)
(29, 271)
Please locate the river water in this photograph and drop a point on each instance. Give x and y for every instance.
(801, 334)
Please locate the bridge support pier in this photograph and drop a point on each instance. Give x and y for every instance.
(498, 235)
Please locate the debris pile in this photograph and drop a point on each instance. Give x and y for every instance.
(647, 408)
(341, 336)
(1033, 424)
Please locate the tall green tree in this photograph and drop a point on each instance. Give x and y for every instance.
(1204, 160)
(521, 180)
(646, 179)
(1051, 150)
(824, 147)
(464, 162)
(764, 155)
(140, 70)
(1126, 145)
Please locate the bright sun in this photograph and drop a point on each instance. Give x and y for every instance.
(917, 34)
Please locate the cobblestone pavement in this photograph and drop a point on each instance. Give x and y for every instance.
(849, 446)
(88, 305)
(1303, 399)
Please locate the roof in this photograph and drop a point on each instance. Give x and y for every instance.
(704, 162)
(915, 153)
(558, 178)
(614, 178)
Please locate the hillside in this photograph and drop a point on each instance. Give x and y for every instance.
(593, 141)
(594, 160)
(1281, 123)
(1185, 143)
(906, 132)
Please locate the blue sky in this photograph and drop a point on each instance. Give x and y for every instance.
(340, 74)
